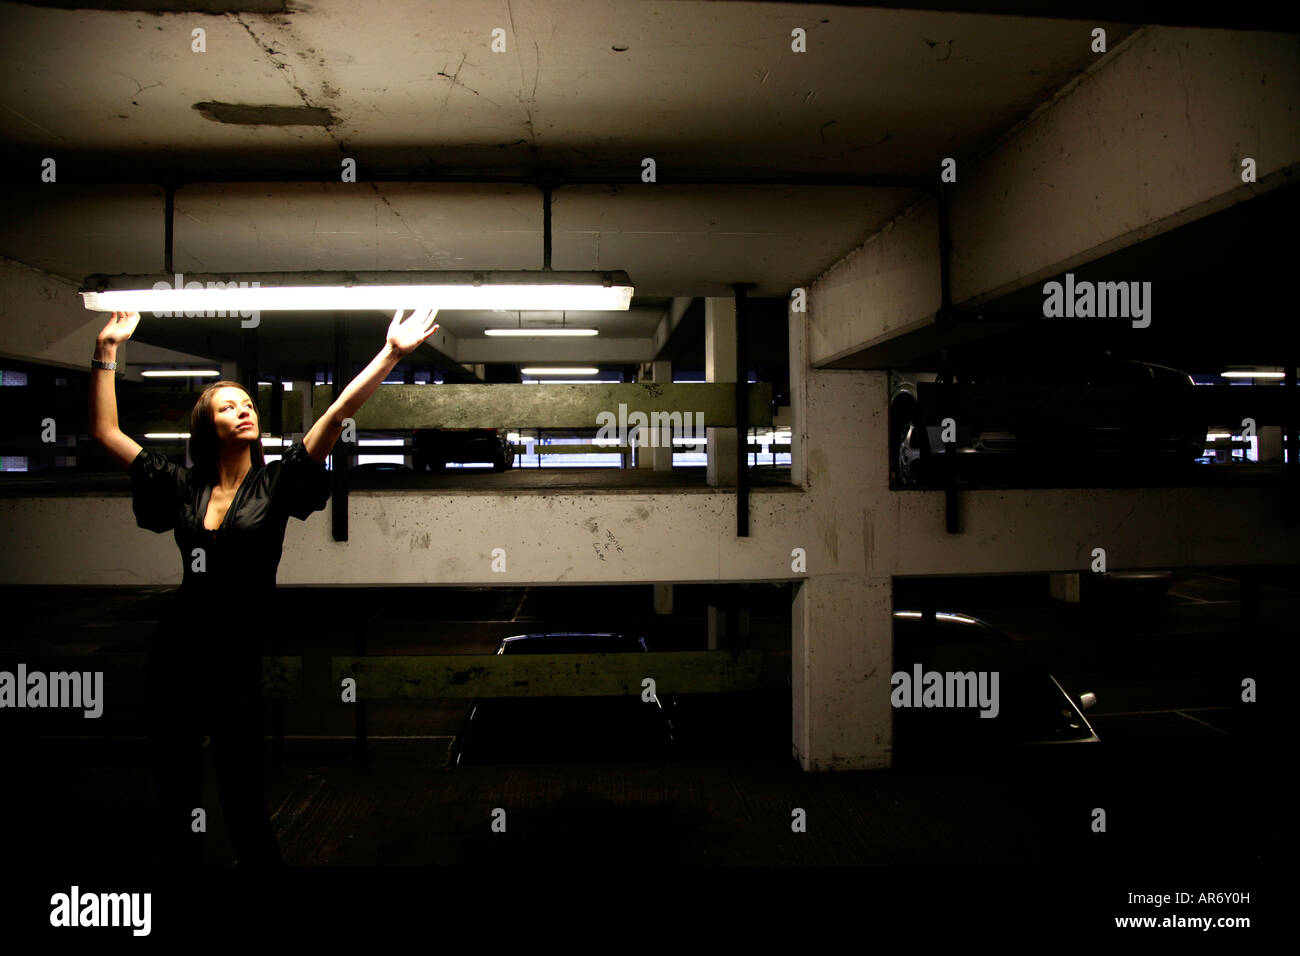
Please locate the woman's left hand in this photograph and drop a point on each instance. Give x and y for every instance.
(405, 335)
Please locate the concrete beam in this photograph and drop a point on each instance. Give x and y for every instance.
(546, 405)
(1149, 139)
(551, 675)
(43, 321)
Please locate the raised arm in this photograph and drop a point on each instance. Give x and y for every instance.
(102, 416)
(404, 336)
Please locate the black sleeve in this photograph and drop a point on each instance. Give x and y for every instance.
(155, 490)
(303, 485)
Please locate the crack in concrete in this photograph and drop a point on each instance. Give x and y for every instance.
(455, 80)
(291, 79)
(528, 113)
(138, 87)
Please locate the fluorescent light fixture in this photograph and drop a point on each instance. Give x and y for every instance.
(560, 371)
(1213, 435)
(288, 386)
(533, 332)
(181, 373)
(382, 442)
(175, 436)
(230, 294)
(1249, 374)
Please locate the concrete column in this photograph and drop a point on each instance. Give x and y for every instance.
(303, 391)
(841, 662)
(1064, 587)
(798, 395)
(720, 366)
(644, 454)
(842, 615)
(1270, 444)
(661, 457)
(663, 598)
(728, 626)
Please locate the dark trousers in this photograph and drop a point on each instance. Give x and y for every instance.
(209, 687)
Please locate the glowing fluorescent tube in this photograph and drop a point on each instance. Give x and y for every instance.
(242, 293)
(529, 333)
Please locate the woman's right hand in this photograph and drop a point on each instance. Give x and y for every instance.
(118, 329)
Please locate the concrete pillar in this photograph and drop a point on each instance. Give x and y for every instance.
(799, 369)
(841, 662)
(718, 636)
(842, 614)
(728, 625)
(661, 457)
(303, 391)
(720, 366)
(1064, 587)
(644, 454)
(663, 598)
(1270, 444)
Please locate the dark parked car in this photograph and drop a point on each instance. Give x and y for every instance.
(380, 468)
(1012, 447)
(566, 729)
(434, 448)
(1033, 709)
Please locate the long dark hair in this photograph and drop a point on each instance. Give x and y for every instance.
(204, 450)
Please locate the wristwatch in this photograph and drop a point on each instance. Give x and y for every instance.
(110, 366)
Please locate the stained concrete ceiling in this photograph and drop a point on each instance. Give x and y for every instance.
(759, 150)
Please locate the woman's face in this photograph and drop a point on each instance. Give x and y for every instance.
(233, 416)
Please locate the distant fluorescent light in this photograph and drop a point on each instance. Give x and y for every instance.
(560, 371)
(376, 442)
(1211, 436)
(532, 332)
(1241, 374)
(176, 436)
(181, 373)
(288, 386)
(244, 293)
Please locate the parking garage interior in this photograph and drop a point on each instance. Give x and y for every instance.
(870, 450)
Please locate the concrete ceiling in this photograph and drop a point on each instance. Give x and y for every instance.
(759, 150)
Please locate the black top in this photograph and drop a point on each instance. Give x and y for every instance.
(242, 555)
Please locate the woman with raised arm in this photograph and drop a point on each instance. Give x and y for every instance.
(228, 514)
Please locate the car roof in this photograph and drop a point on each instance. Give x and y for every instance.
(955, 623)
(571, 642)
